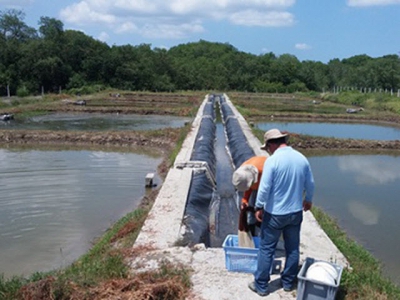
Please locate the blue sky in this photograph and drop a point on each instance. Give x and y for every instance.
(318, 30)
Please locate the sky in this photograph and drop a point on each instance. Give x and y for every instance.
(316, 30)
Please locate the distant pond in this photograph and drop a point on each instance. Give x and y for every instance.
(337, 130)
(96, 122)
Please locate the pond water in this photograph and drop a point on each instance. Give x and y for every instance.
(53, 203)
(337, 130)
(96, 122)
(362, 193)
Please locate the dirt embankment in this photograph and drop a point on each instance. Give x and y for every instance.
(315, 143)
(161, 139)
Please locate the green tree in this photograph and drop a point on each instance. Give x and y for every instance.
(314, 75)
(388, 72)
(285, 69)
(12, 26)
(336, 72)
(51, 28)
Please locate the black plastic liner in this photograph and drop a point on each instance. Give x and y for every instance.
(237, 143)
(197, 209)
(202, 189)
(209, 109)
(203, 149)
(226, 110)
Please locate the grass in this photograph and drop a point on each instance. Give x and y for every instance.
(181, 138)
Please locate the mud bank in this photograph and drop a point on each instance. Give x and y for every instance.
(315, 143)
(165, 138)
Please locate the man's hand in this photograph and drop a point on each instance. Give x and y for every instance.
(307, 205)
(244, 205)
(259, 215)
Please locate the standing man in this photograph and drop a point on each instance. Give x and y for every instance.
(286, 189)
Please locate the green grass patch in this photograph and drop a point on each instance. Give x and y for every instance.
(181, 138)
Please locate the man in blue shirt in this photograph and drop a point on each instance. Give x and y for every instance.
(286, 189)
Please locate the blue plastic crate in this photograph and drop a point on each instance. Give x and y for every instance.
(239, 259)
(313, 290)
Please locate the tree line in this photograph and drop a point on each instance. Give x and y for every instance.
(50, 59)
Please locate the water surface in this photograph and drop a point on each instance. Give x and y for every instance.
(337, 130)
(96, 122)
(362, 193)
(54, 203)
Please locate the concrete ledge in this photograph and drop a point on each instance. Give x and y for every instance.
(315, 243)
(163, 225)
(187, 147)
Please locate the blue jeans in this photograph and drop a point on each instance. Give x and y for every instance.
(271, 229)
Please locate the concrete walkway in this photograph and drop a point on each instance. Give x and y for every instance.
(211, 280)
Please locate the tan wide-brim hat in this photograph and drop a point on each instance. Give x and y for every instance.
(272, 134)
(244, 177)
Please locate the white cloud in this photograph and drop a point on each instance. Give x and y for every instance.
(139, 6)
(103, 36)
(82, 13)
(172, 31)
(227, 6)
(126, 27)
(268, 19)
(175, 19)
(302, 46)
(367, 215)
(369, 171)
(355, 3)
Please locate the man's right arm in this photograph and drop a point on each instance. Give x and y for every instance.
(245, 199)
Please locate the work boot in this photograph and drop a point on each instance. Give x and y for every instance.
(252, 286)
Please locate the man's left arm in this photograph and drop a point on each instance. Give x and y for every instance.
(309, 190)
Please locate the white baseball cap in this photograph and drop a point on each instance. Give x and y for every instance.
(244, 177)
